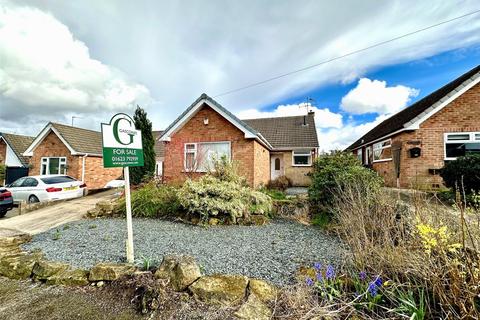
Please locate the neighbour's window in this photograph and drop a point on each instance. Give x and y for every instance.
(360, 155)
(382, 151)
(199, 156)
(54, 165)
(461, 144)
(159, 168)
(277, 164)
(302, 158)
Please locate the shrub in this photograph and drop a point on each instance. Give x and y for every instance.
(334, 170)
(225, 170)
(463, 173)
(152, 201)
(274, 193)
(210, 196)
(2, 173)
(280, 183)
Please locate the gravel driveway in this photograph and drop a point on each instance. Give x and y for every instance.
(272, 252)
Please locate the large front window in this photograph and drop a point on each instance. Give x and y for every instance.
(460, 144)
(200, 156)
(302, 158)
(54, 165)
(382, 151)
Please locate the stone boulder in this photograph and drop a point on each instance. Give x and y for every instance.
(10, 241)
(69, 277)
(181, 271)
(253, 309)
(110, 271)
(259, 220)
(220, 289)
(263, 290)
(18, 266)
(103, 208)
(43, 269)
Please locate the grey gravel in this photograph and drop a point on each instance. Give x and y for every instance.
(272, 252)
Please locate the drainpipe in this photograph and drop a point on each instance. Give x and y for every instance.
(83, 167)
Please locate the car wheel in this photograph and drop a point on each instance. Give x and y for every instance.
(33, 199)
(3, 213)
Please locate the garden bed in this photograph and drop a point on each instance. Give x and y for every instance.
(272, 252)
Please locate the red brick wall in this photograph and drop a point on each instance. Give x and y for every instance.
(52, 146)
(218, 129)
(95, 175)
(3, 151)
(461, 115)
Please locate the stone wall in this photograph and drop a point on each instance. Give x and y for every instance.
(298, 175)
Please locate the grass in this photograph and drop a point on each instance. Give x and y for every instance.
(274, 193)
(321, 220)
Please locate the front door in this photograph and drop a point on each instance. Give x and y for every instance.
(276, 166)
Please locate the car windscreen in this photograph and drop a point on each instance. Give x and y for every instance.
(57, 179)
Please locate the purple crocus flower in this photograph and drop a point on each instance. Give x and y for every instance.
(309, 282)
(372, 289)
(362, 275)
(320, 277)
(378, 281)
(317, 266)
(330, 274)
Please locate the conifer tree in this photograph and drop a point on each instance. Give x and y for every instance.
(139, 174)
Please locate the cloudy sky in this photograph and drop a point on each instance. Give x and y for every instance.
(91, 59)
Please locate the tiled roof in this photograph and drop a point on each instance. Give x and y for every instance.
(18, 144)
(159, 145)
(287, 132)
(284, 132)
(398, 120)
(81, 140)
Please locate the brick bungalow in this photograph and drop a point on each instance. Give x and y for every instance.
(62, 149)
(409, 148)
(12, 147)
(264, 149)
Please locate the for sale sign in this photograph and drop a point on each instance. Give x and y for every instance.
(122, 143)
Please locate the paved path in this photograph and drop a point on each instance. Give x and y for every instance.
(46, 218)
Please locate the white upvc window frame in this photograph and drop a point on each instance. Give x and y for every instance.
(45, 161)
(474, 137)
(302, 153)
(379, 146)
(360, 154)
(195, 152)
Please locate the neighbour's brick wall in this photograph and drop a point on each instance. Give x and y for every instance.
(461, 115)
(218, 129)
(3, 151)
(96, 176)
(52, 146)
(298, 175)
(261, 164)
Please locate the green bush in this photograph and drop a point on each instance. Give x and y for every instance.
(463, 173)
(336, 170)
(2, 174)
(210, 196)
(152, 201)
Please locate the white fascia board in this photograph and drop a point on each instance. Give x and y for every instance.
(193, 111)
(41, 137)
(415, 123)
(11, 159)
(385, 137)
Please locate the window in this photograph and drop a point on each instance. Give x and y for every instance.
(277, 164)
(159, 168)
(360, 154)
(368, 159)
(460, 144)
(17, 183)
(54, 165)
(59, 179)
(199, 156)
(302, 158)
(382, 151)
(30, 182)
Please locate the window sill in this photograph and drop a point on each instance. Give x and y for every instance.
(301, 165)
(382, 160)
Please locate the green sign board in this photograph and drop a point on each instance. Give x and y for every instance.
(122, 143)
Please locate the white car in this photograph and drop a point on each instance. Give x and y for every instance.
(46, 188)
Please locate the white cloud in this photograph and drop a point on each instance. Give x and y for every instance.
(374, 96)
(44, 65)
(324, 118)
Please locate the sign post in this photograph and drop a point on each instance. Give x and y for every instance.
(122, 147)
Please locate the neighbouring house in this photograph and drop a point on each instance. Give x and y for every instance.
(12, 147)
(159, 153)
(411, 147)
(264, 149)
(77, 152)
